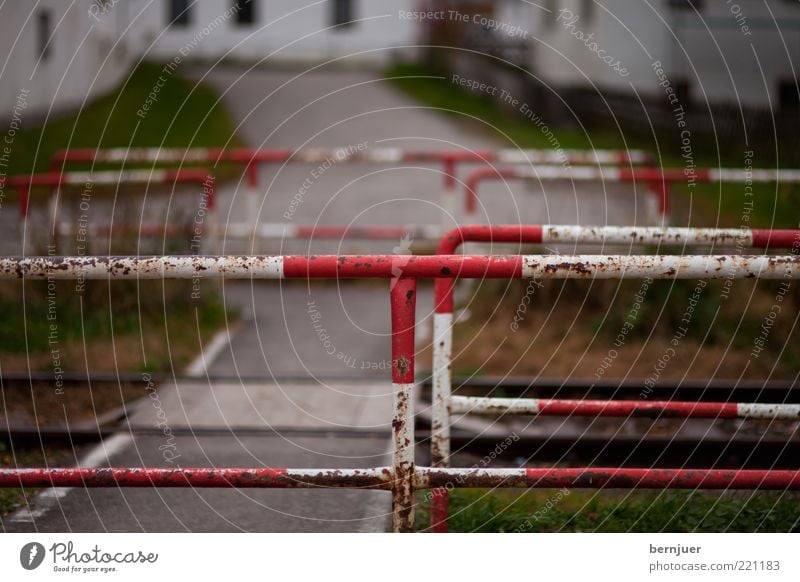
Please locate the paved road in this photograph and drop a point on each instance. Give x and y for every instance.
(279, 340)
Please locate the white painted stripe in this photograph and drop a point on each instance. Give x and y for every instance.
(441, 388)
(127, 176)
(554, 233)
(758, 175)
(660, 266)
(571, 173)
(474, 404)
(773, 411)
(386, 155)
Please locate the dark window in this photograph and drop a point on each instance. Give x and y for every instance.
(43, 35)
(245, 11)
(342, 12)
(683, 92)
(788, 95)
(179, 13)
(686, 4)
(587, 11)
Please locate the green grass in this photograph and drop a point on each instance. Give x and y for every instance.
(706, 205)
(581, 511)
(184, 115)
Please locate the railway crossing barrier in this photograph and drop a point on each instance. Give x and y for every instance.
(404, 477)
(251, 158)
(657, 180)
(444, 404)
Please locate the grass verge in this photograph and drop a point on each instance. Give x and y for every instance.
(708, 205)
(563, 510)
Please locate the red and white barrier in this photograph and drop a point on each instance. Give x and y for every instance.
(57, 180)
(444, 404)
(404, 476)
(252, 158)
(657, 180)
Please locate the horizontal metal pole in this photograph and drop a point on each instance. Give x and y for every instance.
(388, 266)
(661, 267)
(110, 177)
(424, 477)
(380, 154)
(622, 408)
(553, 233)
(375, 478)
(597, 478)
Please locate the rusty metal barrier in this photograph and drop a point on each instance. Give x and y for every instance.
(657, 180)
(444, 404)
(251, 158)
(403, 477)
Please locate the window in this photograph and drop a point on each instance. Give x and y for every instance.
(683, 92)
(587, 11)
(43, 35)
(179, 13)
(342, 12)
(788, 95)
(245, 11)
(686, 4)
(550, 14)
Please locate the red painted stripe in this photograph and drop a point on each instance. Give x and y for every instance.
(440, 505)
(386, 266)
(403, 297)
(638, 408)
(776, 238)
(449, 243)
(143, 477)
(664, 478)
(478, 176)
(252, 174)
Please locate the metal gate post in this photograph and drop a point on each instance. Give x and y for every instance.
(403, 303)
(252, 202)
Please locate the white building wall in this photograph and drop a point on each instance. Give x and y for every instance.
(284, 31)
(81, 61)
(721, 61)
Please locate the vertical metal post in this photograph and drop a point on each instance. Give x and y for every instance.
(440, 422)
(252, 201)
(403, 293)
